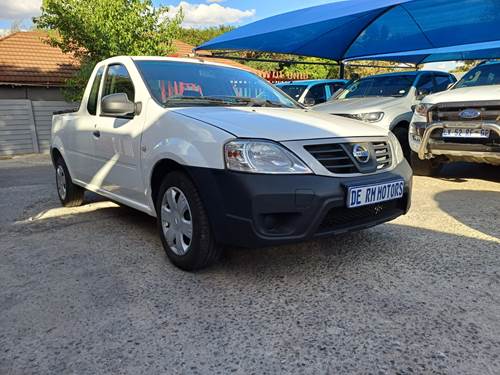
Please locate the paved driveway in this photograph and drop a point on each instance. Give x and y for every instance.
(89, 290)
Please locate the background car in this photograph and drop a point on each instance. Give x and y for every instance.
(461, 124)
(388, 100)
(313, 92)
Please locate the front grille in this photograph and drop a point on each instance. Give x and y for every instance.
(451, 112)
(338, 157)
(333, 157)
(339, 218)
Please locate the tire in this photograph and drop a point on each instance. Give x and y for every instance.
(401, 134)
(428, 167)
(181, 213)
(70, 195)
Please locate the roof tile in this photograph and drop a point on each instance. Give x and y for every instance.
(27, 59)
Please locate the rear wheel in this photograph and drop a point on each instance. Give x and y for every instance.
(70, 195)
(183, 224)
(428, 167)
(401, 134)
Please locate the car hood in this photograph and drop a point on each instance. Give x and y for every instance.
(358, 105)
(280, 124)
(466, 94)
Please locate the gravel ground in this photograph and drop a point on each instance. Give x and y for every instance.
(89, 290)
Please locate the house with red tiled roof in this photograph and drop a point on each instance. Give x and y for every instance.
(32, 69)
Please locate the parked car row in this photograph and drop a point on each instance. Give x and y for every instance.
(435, 119)
(221, 157)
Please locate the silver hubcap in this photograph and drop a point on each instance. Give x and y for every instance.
(176, 220)
(61, 181)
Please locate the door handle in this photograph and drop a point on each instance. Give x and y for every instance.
(96, 133)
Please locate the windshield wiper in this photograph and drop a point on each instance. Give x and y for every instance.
(224, 100)
(197, 99)
(251, 102)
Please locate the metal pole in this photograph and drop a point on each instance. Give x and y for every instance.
(342, 71)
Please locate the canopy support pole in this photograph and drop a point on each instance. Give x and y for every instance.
(342, 71)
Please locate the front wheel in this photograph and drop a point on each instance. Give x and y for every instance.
(70, 195)
(428, 167)
(183, 224)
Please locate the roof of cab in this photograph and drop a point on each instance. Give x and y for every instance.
(193, 60)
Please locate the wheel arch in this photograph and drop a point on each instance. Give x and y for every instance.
(161, 168)
(402, 124)
(55, 154)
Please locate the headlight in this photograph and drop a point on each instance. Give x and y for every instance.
(422, 109)
(368, 117)
(255, 156)
(396, 147)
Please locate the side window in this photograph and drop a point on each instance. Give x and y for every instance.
(317, 93)
(94, 92)
(442, 83)
(425, 84)
(118, 81)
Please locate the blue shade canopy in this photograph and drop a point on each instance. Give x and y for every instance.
(398, 30)
(476, 51)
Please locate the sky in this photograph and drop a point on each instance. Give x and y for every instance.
(197, 13)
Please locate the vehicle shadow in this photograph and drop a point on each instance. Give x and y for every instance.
(477, 209)
(461, 172)
(388, 244)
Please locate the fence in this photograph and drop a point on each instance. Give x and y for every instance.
(25, 125)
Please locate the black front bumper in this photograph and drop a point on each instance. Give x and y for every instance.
(251, 210)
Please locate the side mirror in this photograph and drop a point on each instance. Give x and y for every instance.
(309, 102)
(118, 105)
(422, 94)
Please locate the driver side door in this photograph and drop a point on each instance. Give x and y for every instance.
(118, 142)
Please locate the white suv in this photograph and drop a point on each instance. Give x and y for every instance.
(221, 157)
(461, 124)
(387, 100)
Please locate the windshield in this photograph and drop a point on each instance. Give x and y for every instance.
(294, 91)
(483, 75)
(179, 84)
(397, 86)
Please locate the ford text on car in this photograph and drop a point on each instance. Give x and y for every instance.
(461, 124)
(221, 157)
(387, 99)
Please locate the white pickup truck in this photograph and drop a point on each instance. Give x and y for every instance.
(461, 124)
(221, 157)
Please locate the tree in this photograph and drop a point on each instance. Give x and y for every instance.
(196, 37)
(96, 30)
(371, 67)
(465, 66)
